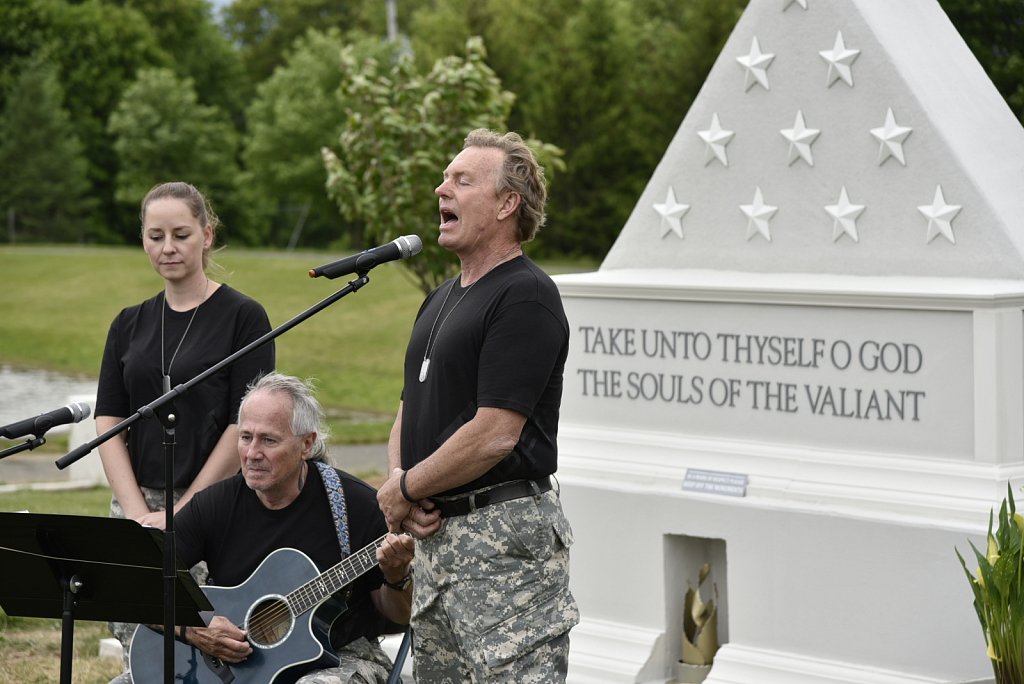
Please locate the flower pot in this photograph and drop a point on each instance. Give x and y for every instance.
(690, 674)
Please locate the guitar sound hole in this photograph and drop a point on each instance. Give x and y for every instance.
(270, 622)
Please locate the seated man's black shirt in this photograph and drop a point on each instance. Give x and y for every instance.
(228, 527)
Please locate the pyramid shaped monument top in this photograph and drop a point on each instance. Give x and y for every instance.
(846, 137)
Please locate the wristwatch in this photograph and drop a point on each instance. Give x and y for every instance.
(400, 585)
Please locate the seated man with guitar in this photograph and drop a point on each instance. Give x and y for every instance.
(307, 576)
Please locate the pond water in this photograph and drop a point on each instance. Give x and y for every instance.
(27, 393)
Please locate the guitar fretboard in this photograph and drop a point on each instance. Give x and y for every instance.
(319, 589)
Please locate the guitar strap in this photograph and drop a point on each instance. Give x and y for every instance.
(336, 497)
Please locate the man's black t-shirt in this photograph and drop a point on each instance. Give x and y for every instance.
(500, 343)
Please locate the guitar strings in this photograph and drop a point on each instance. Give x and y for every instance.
(306, 592)
(263, 621)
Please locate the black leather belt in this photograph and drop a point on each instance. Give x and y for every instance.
(503, 492)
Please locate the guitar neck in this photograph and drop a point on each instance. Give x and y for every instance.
(319, 589)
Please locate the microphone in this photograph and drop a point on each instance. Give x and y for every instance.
(72, 413)
(399, 248)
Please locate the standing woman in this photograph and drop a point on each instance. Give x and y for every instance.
(167, 340)
(163, 342)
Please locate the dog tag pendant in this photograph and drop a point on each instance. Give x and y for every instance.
(423, 369)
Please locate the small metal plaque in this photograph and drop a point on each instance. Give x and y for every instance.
(715, 482)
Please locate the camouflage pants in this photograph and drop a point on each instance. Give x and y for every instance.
(491, 601)
(155, 499)
(361, 662)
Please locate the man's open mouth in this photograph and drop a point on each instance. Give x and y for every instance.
(448, 216)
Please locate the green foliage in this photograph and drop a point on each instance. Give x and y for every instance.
(294, 115)
(99, 47)
(998, 590)
(400, 132)
(22, 35)
(162, 133)
(994, 30)
(200, 51)
(45, 191)
(608, 81)
(265, 30)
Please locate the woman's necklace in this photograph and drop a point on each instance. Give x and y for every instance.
(166, 372)
(432, 337)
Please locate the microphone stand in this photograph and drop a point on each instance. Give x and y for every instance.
(162, 408)
(27, 445)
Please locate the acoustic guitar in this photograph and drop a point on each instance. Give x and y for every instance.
(289, 636)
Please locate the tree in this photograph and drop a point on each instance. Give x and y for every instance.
(294, 115)
(265, 30)
(23, 30)
(115, 40)
(118, 41)
(616, 114)
(400, 131)
(45, 190)
(199, 50)
(584, 86)
(162, 133)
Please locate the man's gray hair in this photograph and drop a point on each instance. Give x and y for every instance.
(521, 174)
(307, 414)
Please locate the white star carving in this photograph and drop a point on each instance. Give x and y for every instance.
(671, 214)
(715, 139)
(844, 217)
(839, 59)
(758, 214)
(787, 3)
(755, 64)
(940, 216)
(890, 137)
(800, 140)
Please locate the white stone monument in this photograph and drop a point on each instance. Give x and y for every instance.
(803, 361)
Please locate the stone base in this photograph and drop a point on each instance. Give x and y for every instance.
(690, 674)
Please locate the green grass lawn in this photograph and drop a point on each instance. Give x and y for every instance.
(57, 303)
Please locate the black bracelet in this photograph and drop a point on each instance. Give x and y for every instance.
(401, 485)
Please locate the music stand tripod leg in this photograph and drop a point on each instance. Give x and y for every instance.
(70, 587)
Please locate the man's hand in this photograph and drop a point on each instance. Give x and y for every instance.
(420, 518)
(221, 639)
(395, 555)
(392, 502)
(423, 520)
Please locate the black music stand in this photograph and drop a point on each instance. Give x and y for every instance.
(89, 568)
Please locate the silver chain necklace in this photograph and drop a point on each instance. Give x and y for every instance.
(431, 338)
(167, 372)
